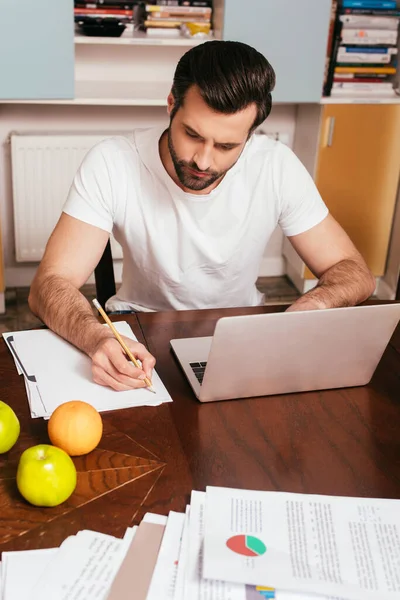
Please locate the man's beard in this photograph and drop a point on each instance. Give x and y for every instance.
(186, 177)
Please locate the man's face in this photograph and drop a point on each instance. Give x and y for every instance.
(204, 144)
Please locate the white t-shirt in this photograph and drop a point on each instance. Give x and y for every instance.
(189, 251)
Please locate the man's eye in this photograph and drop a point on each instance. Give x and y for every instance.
(226, 148)
(191, 135)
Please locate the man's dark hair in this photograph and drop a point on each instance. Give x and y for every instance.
(230, 77)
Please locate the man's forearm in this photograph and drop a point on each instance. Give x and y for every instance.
(66, 311)
(347, 283)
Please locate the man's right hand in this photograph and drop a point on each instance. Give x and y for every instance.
(111, 367)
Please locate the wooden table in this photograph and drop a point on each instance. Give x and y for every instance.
(344, 442)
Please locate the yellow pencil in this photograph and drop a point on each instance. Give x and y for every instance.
(121, 341)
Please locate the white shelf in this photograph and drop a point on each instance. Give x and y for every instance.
(133, 93)
(139, 38)
(109, 93)
(361, 100)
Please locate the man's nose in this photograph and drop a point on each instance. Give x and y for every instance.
(203, 158)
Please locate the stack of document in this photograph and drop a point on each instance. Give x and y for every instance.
(246, 545)
(55, 372)
(229, 544)
(83, 568)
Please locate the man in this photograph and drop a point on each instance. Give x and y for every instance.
(193, 208)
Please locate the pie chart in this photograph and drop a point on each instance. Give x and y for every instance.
(246, 545)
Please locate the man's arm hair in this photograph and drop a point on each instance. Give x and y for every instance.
(347, 283)
(343, 276)
(71, 255)
(64, 309)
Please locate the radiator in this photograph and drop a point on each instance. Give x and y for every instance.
(43, 167)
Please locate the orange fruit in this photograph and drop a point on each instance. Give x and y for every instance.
(76, 427)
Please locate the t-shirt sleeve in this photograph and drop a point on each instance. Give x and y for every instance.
(90, 198)
(301, 206)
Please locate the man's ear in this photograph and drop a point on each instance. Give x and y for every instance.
(170, 103)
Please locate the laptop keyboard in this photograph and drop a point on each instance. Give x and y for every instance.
(198, 369)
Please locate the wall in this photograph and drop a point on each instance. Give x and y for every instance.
(53, 118)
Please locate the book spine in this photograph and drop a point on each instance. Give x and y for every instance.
(358, 59)
(373, 4)
(369, 21)
(203, 3)
(179, 9)
(355, 79)
(360, 85)
(367, 11)
(359, 69)
(99, 12)
(368, 50)
(369, 37)
(184, 16)
(157, 20)
(196, 3)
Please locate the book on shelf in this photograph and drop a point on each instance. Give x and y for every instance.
(369, 21)
(157, 21)
(178, 10)
(203, 3)
(369, 11)
(366, 89)
(372, 4)
(362, 86)
(368, 37)
(367, 79)
(362, 69)
(175, 17)
(351, 55)
(98, 12)
(108, 5)
(169, 24)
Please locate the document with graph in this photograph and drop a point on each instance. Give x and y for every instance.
(336, 546)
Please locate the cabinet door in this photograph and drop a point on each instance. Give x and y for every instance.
(36, 49)
(292, 34)
(358, 174)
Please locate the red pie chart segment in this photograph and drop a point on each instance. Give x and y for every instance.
(246, 545)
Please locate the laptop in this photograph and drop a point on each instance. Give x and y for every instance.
(283, 353)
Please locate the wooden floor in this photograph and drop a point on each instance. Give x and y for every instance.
(277, 290)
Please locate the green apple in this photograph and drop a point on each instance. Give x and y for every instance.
(46, 475)
(9, 427)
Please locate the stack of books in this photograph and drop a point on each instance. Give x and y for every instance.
(103, 17)
(366, 60)
(229, 544)
(169, 17)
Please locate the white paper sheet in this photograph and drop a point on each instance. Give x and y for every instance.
(164, 576)
(56, 372)
(179, 592)
(83, 569)
(346, 547)
(155, 519)
(24, 569)
(196, 586)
